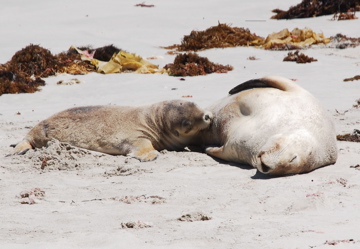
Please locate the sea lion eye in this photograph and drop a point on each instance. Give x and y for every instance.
(293, 159)
(207, 117)
(186, 123)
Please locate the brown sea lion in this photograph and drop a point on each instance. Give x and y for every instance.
(139, 132)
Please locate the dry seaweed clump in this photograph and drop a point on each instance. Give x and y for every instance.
(113, 60)
(191, 64)
(356, 77)
(313, 8)
(33, 60)
(344, 16)
(194, 216)
(354, 137)
(299, 57)
(23, 73)
(342, 41)
(223, 36)
(15, 83)
(70, 62)
(220, 36)
(296, 39)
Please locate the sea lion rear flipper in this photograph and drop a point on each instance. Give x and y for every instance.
(250, 84)
(21, 148)
(277, 82)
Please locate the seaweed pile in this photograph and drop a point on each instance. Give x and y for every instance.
(112, 60)
(220, 36)
(299, 57)
(23, 73)
(313, 8)
(15, 83)
(191, 64)
(295, 39)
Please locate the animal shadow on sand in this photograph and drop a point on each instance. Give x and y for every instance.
(258, 175)
(243, 166)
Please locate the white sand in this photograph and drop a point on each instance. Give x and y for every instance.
(91, 198)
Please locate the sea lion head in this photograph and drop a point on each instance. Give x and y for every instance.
(186, 118)
(284, 154)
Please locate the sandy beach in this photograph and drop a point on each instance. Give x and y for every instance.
(66, 197)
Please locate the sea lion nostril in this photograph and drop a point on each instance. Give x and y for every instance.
(207, 117)
(265, 168)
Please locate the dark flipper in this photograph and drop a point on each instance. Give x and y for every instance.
(250, 84)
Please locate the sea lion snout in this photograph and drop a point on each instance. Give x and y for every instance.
(280, 162)
(263, 167)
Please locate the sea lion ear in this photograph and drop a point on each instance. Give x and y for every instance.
(250, 84)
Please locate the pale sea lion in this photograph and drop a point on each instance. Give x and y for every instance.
(274, 125)
(139, 132)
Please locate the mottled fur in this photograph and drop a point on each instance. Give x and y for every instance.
(122, 130)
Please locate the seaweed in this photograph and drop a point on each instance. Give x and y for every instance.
(295, 39)
(191, 64)
(144, 5)
(344, 16)
(33, 60)
(356, 77)
(342, 41)
(354, 137)
(220, 36)
(105, 53)
(15, 83)
(23, 73)
(313, 8)
(70, 62)
(299, 57)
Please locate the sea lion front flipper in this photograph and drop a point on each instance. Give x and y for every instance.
(216, 152)
(144, 151)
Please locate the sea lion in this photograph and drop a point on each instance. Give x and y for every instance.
(139, 132)
(274, 125)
